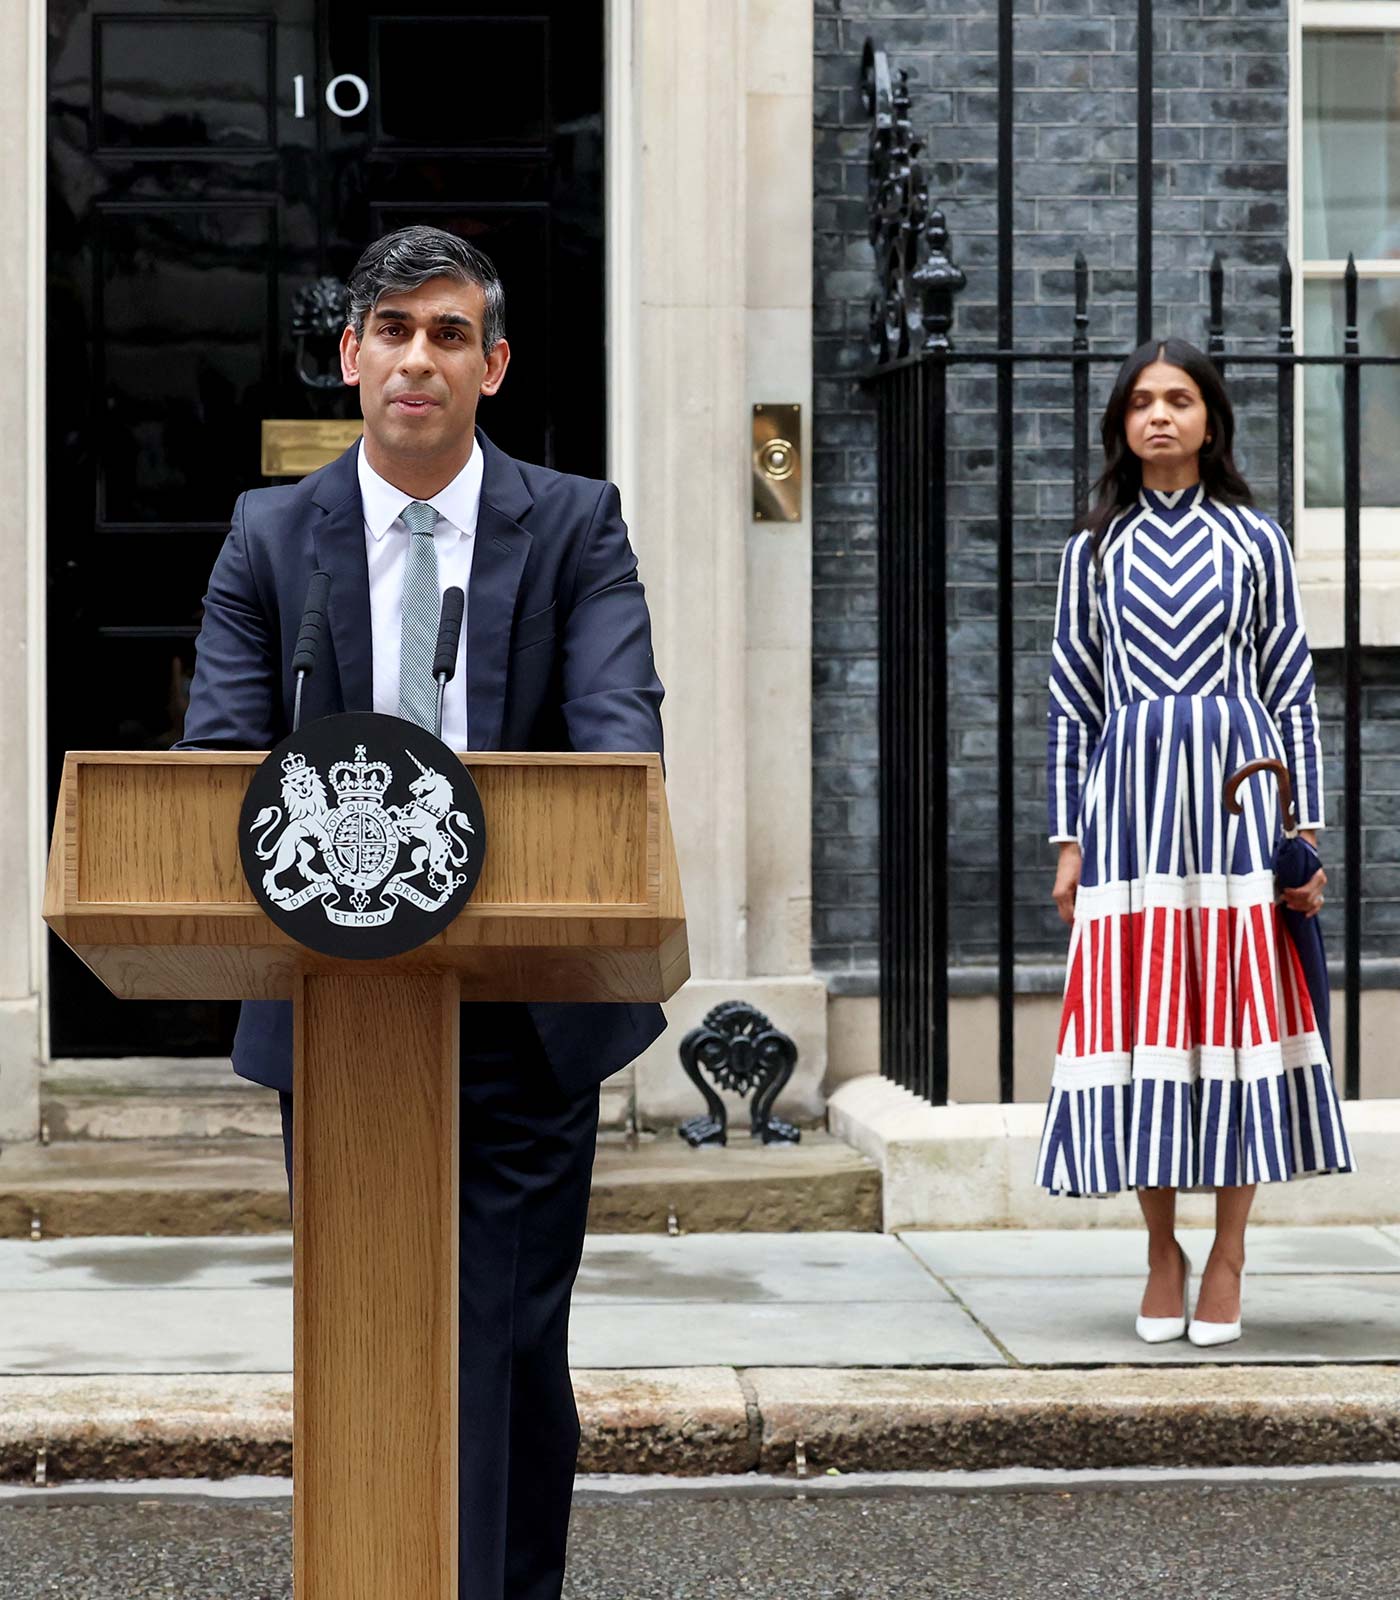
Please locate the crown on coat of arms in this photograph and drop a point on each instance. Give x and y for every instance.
(360, 779)
(293, 761)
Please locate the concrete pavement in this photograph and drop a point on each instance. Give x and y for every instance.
(712, 1352)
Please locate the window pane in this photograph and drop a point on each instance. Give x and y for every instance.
(1351, 144)
(1378, 322)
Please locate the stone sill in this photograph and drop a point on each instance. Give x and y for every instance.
(1320, 582)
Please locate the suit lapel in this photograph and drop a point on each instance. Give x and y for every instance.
(340, 550)
(498, 563)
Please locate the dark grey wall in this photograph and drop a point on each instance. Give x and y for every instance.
(1380, 800)
(1220, 184)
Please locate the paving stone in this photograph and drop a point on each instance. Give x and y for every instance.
(1089, 1321)
(263, 1262)
(752, 1269)
(146, 1330)
(1101, 1253)
(842, 1333)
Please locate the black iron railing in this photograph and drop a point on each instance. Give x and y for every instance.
(911, 359)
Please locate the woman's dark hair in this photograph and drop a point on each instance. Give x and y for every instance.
(1121, 479)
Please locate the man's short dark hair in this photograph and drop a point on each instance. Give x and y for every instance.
(406, 260)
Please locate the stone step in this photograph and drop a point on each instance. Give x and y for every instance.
(148, 1098)
(238, 1186)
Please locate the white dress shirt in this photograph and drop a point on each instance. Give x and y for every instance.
(386, 547)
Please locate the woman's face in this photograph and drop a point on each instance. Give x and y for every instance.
(1166, 420)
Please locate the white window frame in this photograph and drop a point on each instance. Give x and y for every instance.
(1318, 532)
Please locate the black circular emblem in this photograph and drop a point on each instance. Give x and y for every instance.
(362, 835)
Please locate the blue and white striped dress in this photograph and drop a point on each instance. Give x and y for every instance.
(1188, 1052)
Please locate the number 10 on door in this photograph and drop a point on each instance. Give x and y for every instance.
(347, 94)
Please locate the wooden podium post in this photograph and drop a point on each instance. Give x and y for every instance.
(579, 900)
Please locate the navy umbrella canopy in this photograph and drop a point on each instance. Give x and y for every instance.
(1295, 862)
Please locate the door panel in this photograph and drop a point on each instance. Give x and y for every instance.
(175, 448)
(186, 83)
(492, 127)
(517, 238)
(446, 100)
(198, 180)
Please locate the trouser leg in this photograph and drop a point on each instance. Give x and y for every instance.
(527, 1161)
(285, 1101)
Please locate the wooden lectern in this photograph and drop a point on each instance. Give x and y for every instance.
(579, 900)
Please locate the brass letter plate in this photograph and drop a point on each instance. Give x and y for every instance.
(777, 463)
(294, 446)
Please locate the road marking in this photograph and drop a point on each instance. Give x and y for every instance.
(603, 1488)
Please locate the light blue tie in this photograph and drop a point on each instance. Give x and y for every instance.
(422, 606)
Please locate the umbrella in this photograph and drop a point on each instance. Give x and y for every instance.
(1295, 861)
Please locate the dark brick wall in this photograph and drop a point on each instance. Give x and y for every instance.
(1380, 799)
(1220, 184)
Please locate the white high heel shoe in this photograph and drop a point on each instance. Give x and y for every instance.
(1206, 1334)
(1160, 1330)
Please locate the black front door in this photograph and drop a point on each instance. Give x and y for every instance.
(208, 160)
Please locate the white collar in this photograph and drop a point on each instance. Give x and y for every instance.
(457, 503)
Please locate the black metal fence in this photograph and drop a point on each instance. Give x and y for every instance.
(912, 355)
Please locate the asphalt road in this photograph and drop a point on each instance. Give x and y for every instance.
(1189, 1541)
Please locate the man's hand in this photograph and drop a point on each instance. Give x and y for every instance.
(1067, 880)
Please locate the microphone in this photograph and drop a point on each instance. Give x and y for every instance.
(454, 602)
(313, 622)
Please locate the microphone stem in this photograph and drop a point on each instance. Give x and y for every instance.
(296, 702)
(442, 691)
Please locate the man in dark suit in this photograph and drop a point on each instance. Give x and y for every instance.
(555, 655)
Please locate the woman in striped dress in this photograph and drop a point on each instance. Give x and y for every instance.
(1188, 1054)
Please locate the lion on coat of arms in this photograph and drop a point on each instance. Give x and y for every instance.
(306, 806)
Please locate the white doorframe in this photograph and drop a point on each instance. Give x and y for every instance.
(620, 245)
(35, 496)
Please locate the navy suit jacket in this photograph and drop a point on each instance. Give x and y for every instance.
(558, 658)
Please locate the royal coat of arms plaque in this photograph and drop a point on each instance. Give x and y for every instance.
(362, 835)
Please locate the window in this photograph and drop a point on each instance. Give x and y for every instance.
(1346, 199)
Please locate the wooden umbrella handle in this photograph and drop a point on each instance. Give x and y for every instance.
(1285, 789)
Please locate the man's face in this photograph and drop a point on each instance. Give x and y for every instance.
(420, 368)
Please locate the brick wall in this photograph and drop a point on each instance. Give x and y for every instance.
(1380, 800)
(1220, 184)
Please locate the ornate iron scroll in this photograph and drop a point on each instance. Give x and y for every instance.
(320, 311)
(915, 278)
(743, 1052)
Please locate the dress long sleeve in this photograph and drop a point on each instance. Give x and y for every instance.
(1076, 687)
(1286, 683)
